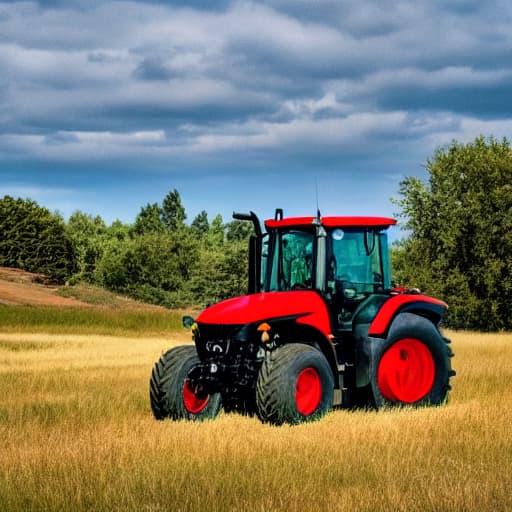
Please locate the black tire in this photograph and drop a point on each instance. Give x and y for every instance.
(169, 394)
(412, 366)
(279, 397)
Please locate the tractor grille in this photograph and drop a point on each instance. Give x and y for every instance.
(221, 344)
(230, 363)
(215, 341)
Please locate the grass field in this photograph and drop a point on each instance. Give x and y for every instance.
(77, 434)
(97, 320)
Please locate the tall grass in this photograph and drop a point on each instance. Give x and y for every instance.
(77, 434)
(84, 320)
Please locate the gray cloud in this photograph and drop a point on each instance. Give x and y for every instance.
(152, 69)
(280, 81)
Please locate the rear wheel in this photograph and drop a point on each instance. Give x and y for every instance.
(406, 371)
(412, 365)
(171, 393)
(295, 384)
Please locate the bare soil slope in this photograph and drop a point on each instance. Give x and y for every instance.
(25, 288)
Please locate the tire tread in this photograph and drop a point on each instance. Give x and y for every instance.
(269, 389)
(161, 384)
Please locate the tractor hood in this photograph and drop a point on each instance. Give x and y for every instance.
(307, 306)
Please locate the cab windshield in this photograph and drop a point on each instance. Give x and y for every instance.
(337, 261)
(291, 264)
(356, 260)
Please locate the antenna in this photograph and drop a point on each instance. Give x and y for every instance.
(317, 205)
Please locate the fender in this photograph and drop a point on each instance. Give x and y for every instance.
(423, 305)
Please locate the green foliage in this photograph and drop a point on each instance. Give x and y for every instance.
(161, 260)
(152, 267)
(235, 268)
(158, 259)
(216, 234)
(200, 225)
(173, 212)
(206, 283)
(221, 270)
(149, 220)
(238, 230)
(460, 247)
(86, 232)
(117, 231)
(34, 239)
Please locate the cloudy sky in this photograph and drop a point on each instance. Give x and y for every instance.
(105, 106)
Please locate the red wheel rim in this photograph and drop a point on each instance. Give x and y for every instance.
(192, 402)
(308, 391)
(406, 371)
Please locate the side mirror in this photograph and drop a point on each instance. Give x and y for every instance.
(187, 322)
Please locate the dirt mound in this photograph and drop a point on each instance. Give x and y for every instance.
(17, 275)
(18, 287)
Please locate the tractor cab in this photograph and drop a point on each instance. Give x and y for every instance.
(345, 259)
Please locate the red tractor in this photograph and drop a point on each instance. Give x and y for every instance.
(320, 327)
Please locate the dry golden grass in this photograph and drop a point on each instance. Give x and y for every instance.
(77, 434)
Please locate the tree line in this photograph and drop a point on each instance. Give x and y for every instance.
(157, 259)
(457, 244)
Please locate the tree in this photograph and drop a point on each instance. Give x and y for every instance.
(236, 262)
(206, 282)
(460, 247)
(34, 239)
(118, 231)
(215, 238)
(200, 225)
(153, 267)
(86, 233)
(149, 220)
(173, 212)
(220, 273)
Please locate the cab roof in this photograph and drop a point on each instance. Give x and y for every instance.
(334, 222)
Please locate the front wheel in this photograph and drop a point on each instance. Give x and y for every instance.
(295, 384)
(171, 393)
